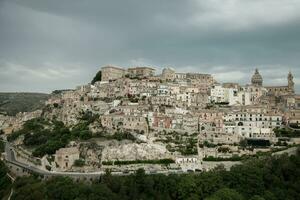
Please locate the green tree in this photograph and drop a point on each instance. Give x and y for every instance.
(97, 77)
(5, 182)
(257, 197)
(226, 194)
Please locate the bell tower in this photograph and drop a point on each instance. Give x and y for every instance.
(291, 83)
(256, 79)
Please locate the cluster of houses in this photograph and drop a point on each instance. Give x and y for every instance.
(9, 124)
(140, 101)
(136, 99)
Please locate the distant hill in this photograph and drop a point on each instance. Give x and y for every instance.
(12, 103)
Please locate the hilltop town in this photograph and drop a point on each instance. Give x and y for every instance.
(131, 118)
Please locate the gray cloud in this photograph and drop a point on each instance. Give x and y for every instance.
(47, 45)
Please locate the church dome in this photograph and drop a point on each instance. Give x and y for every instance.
(257, 78)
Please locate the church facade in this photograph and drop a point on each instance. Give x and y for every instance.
(288, 89)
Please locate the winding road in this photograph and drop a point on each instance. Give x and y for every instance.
(10, 157)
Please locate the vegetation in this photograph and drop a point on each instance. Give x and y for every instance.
(208, 144)
(47, 137)
(286, 132)
(184, 143)
(258, 142)
(13, 103)
(5, 182)
(226, 194)
(129, 162)
(79, 163)
(295, 125)
(133, 98)
(97, 77)
(121, 136)
(190, 147)
(2, 146)
(233, 158)
(271, 178)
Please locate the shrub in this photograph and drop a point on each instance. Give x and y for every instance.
(79, 162)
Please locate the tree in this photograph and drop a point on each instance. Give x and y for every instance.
(257, 197)
(2, 146)
(5, 182)
(79, 163)
(270, 178)
(226, 194)
(97, 77)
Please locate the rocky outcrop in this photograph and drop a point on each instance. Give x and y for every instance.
(91, 153)
(135, 151)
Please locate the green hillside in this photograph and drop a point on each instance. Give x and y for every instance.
(12, 103)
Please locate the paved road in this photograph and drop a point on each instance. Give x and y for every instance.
(10, 156)
(289, 151)
(12, 189)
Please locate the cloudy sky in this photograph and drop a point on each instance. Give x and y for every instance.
(56, 44)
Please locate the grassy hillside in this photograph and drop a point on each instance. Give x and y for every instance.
(12, 103)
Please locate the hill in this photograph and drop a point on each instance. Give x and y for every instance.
(12, 103)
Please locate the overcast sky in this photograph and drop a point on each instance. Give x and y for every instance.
(56, 44)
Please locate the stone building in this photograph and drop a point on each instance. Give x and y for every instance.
(254, 119)
(257, 80)
(180, 76)
(283, 90)
(162, 121)
(213, 117)
(65, 157)
(168, 74)
(135, 123)
(111, 73)
(292, 116)
(140, 72)
(232, 95)
(10, 124)
(206, 78)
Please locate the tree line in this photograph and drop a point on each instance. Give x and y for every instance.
(267, 178)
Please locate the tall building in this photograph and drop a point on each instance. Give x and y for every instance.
(283, 90)
(257, 79)
(291, 83)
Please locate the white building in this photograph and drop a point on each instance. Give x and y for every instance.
(218, 94)
(260, 120)
(230, 95)
(238, 97)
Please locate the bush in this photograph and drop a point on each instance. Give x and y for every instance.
(79, 163)
(14, 135)
(208, 144)
(233, 158)
(285, 132)
(47, 141)
(190, 147)
(2, 146)
(122, 136)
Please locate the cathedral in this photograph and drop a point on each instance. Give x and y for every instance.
(257, 80)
